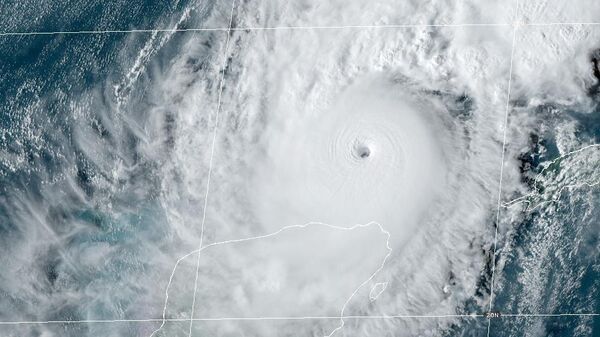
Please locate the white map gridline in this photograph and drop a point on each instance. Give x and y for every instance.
(232, 29)
(229, 29)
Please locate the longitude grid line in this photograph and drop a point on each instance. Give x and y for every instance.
(507, 108)
(230, 29)
(210, 163)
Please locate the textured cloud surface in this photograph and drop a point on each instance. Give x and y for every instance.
(315, 167)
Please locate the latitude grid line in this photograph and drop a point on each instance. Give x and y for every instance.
(249, 28)
(267, 318)
(230, 29)
(279, 318)
(208, 29)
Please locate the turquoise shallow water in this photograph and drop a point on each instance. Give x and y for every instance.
(65, 254)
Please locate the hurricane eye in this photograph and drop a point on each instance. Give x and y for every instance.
(362, 151)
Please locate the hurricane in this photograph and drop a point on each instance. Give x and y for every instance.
(341, 168)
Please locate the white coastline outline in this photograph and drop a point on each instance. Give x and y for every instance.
(374, 295)
(283, 229)
(535, 193)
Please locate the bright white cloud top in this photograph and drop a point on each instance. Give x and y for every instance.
(357, 158)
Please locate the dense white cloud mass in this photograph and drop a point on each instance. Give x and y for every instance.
(402, 127)
(308, 270)
(327, 141)
(371, 154)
